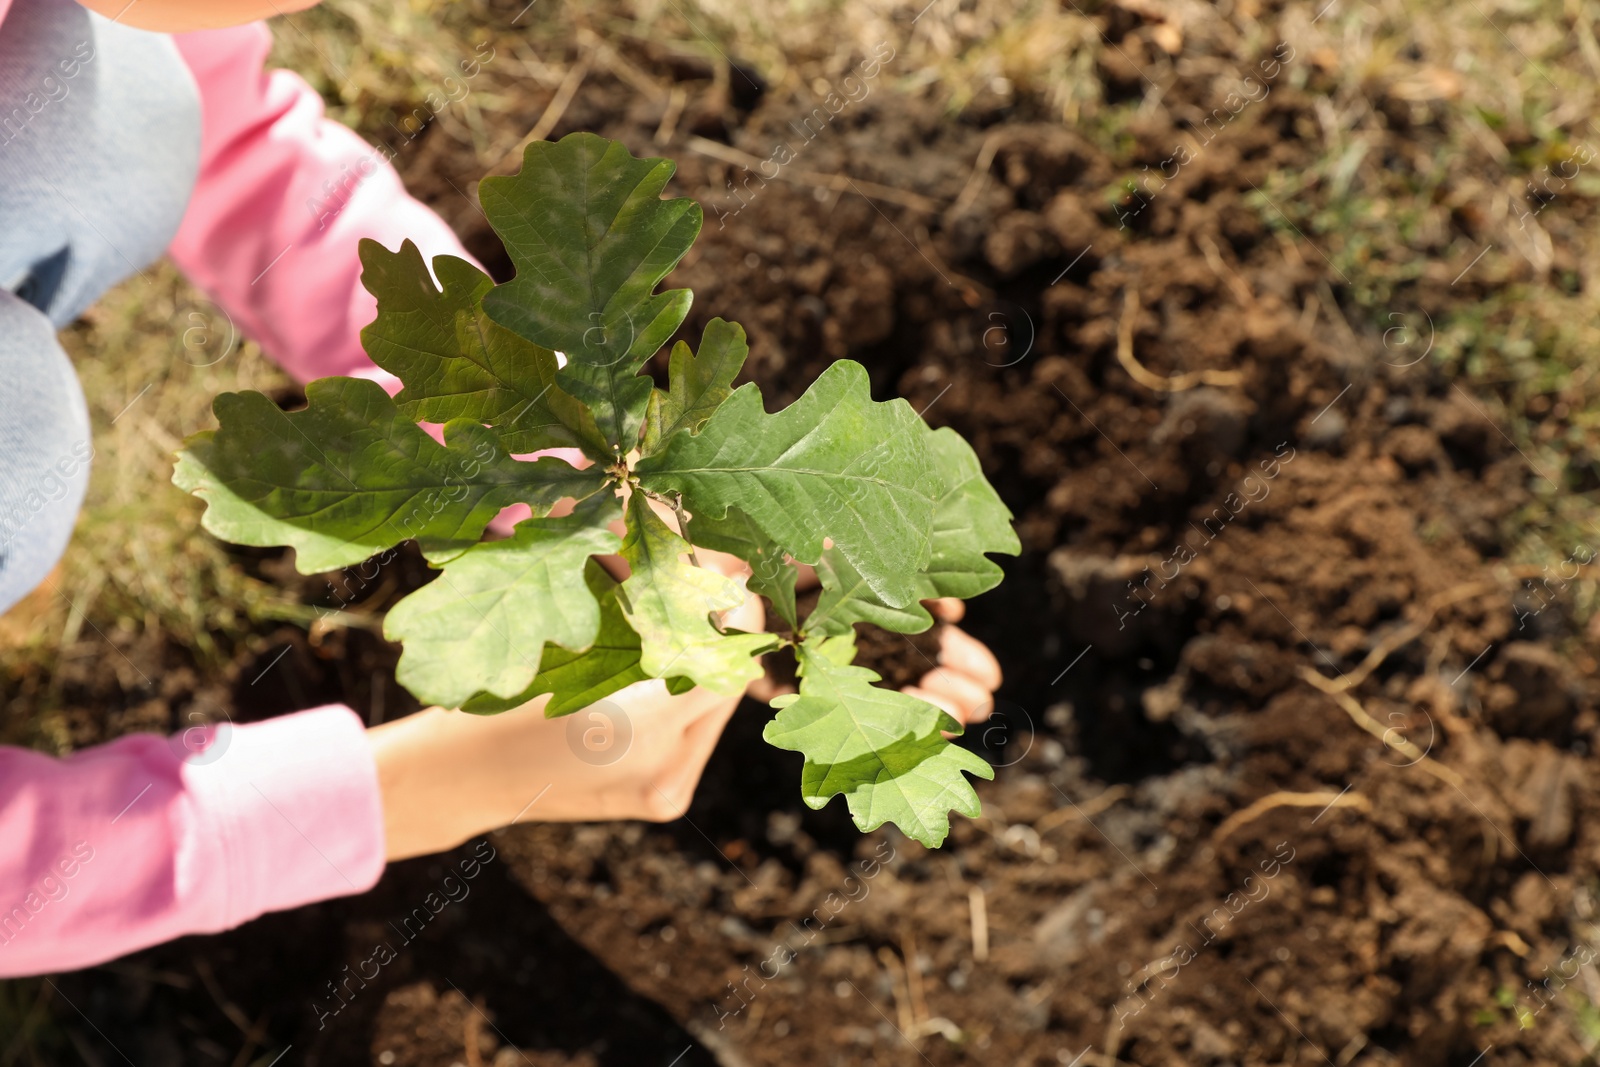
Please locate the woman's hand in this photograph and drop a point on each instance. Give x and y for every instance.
(962, 679)
(967, 674)
(446, 776)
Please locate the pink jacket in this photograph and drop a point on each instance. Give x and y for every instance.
(144, 839)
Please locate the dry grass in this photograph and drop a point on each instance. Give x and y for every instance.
(151, 356)
(1492, 96)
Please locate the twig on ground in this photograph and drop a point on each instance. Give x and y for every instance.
(558, 104)
(980, 173)
(1089, 808)
(1442, 701)
(717, 1043)
(319, 622)
(620, 65)
(1283, 799)
(1410, 632)
(1350, 1050)
(1309, 314)
(1389, 737)
(229, 1009)
(940, 1025)
(670, 117)
(839, 183)
(972, 291)
(548, 75)
(1511, 941)
(908, 952)
(1406, 634)
(25, 1029)
(469, 1037)
(978, 909)
(1219, 266)
(897, 982)
(552, 115)
(1148, 378)
(252, 1042)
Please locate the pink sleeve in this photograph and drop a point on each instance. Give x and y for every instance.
(147, 838)
(283, 198)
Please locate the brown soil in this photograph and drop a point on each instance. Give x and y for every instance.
(1328, 498)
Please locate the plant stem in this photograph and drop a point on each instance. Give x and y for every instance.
(675, 502)
(683, 526)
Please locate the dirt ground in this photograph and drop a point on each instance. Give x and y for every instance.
(1294, 764)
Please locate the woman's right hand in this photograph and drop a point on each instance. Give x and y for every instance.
(447, 776)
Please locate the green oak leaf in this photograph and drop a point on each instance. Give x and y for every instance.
(697, 384)
(669, 602)
(839, 714)
(619, 401)
(349, 476)
(969, 521)
(578, 679)
(835, 464)
(590, 236)
(883, 749)
(913, 783)
(485, 621)
(770, 574)
(457, 363)
(839, 650)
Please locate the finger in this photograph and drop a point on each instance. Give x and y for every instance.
(939, 700)
(725, 564)
(766, 688)
(961, 651)
(750, 616)
(947, 608)
(975, 701)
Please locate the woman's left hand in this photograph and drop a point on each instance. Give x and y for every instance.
(966, 675)
(962, 679)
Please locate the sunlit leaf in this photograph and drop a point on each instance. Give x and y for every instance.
(670, 603)
(835, 464)
(483, 623)
(884, 750)
(349, 476)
